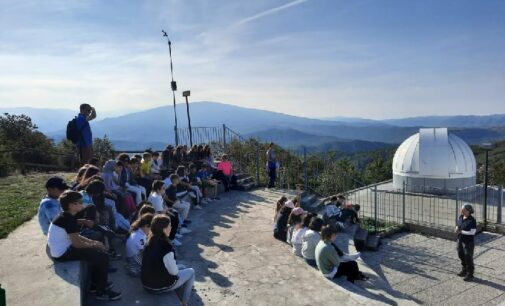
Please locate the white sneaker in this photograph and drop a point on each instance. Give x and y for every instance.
(204, 201)
(178, 236)
(209, 200)
(184, 231)
(176, 243)
(198, 207)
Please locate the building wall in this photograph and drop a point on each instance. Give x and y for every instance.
(432, 185)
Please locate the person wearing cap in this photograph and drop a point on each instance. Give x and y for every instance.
(50, 206)
(466, 228)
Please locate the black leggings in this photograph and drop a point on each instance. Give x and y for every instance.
(350, 270)
(465, 254)
(174, 222)
(98, 264)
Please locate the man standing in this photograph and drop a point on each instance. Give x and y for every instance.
(85, 143)
(271, 165)
(466, 228)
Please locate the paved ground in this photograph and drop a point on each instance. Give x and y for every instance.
(424, 269)
(238, 262)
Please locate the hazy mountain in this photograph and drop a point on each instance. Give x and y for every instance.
(48, 120)
(296, 140)
(154, 127)
(450, 121)
(355, 120)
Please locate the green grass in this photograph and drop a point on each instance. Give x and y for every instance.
(20, 196)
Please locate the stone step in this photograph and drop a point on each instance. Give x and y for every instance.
(244, 180)
(372, 242)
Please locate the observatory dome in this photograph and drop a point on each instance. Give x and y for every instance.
(433, 159)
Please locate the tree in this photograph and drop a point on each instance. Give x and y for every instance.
(103, 149)
(378, 170)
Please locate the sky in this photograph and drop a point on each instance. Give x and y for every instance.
(313, 58)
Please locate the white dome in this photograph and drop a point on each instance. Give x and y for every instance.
(433, 153)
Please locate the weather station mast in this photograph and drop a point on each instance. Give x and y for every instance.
(173, 85)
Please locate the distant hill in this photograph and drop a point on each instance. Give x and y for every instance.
(154, 127)
(450, 121)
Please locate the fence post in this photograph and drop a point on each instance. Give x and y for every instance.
(375, 205)
(224, 135)
(500, 205)
(305, 168)
(457, 205)
(403, 204)
(257, 164)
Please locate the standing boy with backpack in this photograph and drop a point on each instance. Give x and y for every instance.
(79, 132)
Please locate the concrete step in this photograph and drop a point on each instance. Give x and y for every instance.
(244, 180)
(360, 239)
(372, 242)
(246, 186)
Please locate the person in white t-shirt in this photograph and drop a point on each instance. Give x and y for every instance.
(156, 196)
(136, 242)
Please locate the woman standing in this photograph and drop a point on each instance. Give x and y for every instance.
(466, 228)
(160, 272)
(271, 165)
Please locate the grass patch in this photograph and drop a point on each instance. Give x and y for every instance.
(20, 196)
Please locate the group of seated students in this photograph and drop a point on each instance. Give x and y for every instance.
(135, 199)
(314, 238)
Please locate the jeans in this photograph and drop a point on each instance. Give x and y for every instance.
(311, 262)
(272, 174)
(182, 208)
(98, 263)
(184, 284)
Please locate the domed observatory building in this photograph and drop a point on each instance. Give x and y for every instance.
(433, 161)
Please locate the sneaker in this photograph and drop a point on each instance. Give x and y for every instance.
(92, 287)
(216, 198)
(178, 236)
(187, 221)
(468, 277)
(197, 207)
(203, 201)
(176, 242)
(108, 295)
(462, 273)
(209, 200)
(184, 231)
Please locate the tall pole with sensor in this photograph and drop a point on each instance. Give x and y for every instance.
(173, 84)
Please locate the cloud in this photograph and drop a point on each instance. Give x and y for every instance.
(269, 12)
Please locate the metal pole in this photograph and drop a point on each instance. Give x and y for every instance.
(257, 165)
(485, 189)
(173, 84)
(499, 208)
(403, 203)
(189, 124)
(375, 205)
(457, 205)
(305, 167)
(224, 135)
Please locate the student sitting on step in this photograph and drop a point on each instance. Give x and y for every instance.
(281, 221)
(136, 242)
(333, 212)
(294, 222)
(207, 183)
(160, 271)
(310, 240)
(66, 244)
(330, 260)
(50, 207)
(296, 238)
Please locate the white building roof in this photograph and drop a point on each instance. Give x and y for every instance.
(434, 153)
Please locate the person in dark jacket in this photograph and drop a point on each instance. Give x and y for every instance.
(466, 228)
(160, 272)
(281, 221)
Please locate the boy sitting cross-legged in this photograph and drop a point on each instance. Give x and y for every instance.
(66, 244)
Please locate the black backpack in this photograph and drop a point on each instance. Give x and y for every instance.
(73, 133)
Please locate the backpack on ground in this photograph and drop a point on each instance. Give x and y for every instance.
(73, 133)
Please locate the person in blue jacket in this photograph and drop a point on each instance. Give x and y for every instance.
(85, 143)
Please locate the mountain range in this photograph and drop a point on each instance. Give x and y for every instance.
(154, 127)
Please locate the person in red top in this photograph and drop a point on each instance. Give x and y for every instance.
(225, 173)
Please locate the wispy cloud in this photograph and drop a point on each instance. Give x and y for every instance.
(270, 12)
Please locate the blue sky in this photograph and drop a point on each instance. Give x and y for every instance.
(315, 58)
